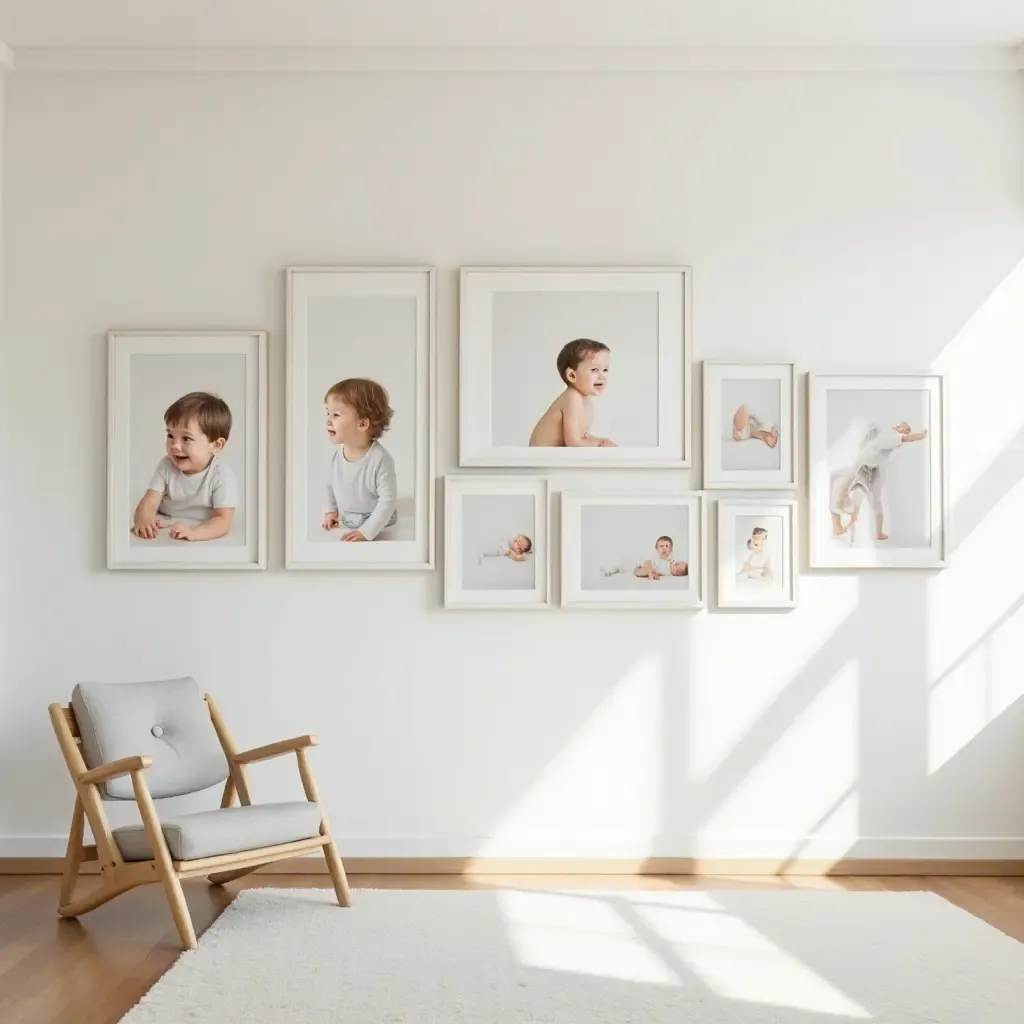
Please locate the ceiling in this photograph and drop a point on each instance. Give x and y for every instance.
(521, 23)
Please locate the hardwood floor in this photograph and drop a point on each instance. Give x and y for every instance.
(92, 971)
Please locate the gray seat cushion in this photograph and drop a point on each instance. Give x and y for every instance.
(168, 719)
(225, 830)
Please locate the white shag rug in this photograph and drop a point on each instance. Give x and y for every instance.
(521, 956)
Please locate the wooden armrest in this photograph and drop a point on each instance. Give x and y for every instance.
(274, 749)
(112, 769)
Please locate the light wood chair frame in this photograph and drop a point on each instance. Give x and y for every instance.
(118, 875)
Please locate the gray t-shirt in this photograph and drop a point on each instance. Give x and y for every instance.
(364, 493)
(196, 495)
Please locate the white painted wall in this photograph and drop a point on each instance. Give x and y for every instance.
(836, 220)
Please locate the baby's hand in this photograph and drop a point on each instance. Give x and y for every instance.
(330, 520)
(147, 529)
(352, 535)
(179, 531)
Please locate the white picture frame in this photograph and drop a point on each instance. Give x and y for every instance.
(513, 322)
(479, 512)
(758, 552)
(750, 434)
(606, 574)
(147, 371)
(368, 322)
(852, 464)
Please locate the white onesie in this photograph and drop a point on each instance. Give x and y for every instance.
(756, 565)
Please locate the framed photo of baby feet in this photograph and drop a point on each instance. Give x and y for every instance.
(575, 367)
(360, 418)
(187, 449)
(757, 553)
(497, 541)
(877, 465)
(750, 426)
(623, 551)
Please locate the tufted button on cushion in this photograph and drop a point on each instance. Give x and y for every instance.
(157, 731)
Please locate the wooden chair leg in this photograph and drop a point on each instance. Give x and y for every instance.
(337, 870)
(103, 893)
(73, 857)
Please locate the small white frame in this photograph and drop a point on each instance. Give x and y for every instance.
(479, 286)
(573, 595)
(459, 487)
(122, 346)
(302, 284)
(729, 594)
(786, 477)
(823, 552)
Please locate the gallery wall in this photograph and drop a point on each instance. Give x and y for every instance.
(839, 221)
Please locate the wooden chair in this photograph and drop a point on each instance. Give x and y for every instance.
(143, 741)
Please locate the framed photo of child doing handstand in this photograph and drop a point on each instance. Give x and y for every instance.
(496, 542)
(574, 367)
(360, 418)
(879, 496)
(623, 551)
(187, 450)
(757, 553)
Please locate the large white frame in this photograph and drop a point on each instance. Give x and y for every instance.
(729, 595)
(822, 554)
(716, 478)
(121, 346)
(574, 596)
(303, 283)
(458, 487)
(478, 285)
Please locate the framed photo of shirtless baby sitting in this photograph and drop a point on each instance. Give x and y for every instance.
(879, 495)
(574, 367)
(496, 542)
(360, 418)
(757, 553)
(187, 450)
(633, 552)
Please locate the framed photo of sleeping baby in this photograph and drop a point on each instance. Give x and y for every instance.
(496, 542)
(360, 418)
(574, 367)
(878, 482)
(186, 450)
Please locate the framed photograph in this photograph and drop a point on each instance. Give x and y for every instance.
(633, 552)
(574, 367)
(757, 553)
(360, 418)
(186, 450)
(879, 497)
(750, 426)
(496, 542)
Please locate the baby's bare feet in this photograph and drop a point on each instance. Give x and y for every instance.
(882, 536)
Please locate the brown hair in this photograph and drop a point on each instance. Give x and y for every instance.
(660, 539)
(529, 543)
(211, 413)
(574, 352)
(369, 400)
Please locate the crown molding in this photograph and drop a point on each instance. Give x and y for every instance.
(519, 60)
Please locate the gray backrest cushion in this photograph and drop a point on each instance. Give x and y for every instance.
(165, 718)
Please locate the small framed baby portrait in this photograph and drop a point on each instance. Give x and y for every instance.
(574, 367)
(878, 490)
(186, 450)
(750, 426)
(360, 418)
(496, 542)
(633, 552)
(757, 553)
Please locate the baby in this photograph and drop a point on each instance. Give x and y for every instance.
(663, 564)
(583, 366)
(746, 425)
(758, 565)
(517, 549)
(362, 487)
(191, 481)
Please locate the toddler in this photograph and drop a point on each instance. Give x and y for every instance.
(191, 481)
(362, 487)
(517, 549)
(662, 564)
(583, 366)
(758, 565)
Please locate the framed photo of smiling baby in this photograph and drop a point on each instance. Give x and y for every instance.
(360, 418)
(187, 450)
(575, 367)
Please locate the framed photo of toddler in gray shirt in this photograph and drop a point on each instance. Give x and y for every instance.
(360, 418)
(187, 444)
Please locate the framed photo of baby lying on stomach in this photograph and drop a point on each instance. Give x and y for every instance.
(574, 367)
(187, 450)
(360, 418)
